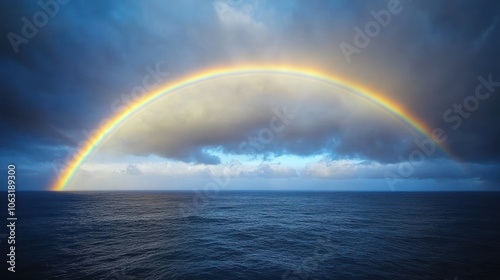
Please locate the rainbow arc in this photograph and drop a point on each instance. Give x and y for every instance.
(392, 107)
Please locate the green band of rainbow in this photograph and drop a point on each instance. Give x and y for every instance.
(391, 106)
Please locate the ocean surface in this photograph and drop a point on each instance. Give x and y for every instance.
(256, 235)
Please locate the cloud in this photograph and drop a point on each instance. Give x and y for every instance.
(177, 169)
(430, 175)
(133, 170)
(261, 115)
(441, 169)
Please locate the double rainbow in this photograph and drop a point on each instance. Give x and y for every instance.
(391, 106)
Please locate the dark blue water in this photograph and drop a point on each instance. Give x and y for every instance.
(257, 235)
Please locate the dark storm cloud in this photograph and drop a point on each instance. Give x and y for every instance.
(68, 74)
(64, 81)
(438, 51)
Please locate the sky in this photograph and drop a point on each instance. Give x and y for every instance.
(67, 66)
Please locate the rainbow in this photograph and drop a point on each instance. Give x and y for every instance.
(391, 106)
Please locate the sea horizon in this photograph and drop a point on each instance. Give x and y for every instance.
(259, 190)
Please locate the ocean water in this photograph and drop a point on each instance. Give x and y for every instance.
(256, 235)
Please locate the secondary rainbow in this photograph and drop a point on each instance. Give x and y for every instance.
(391, 106)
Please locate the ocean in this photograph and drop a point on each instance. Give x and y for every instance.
(256, 235)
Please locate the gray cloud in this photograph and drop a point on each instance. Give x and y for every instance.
(248, 115)
(133, 170)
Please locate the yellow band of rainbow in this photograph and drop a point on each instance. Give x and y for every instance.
(372, 96)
